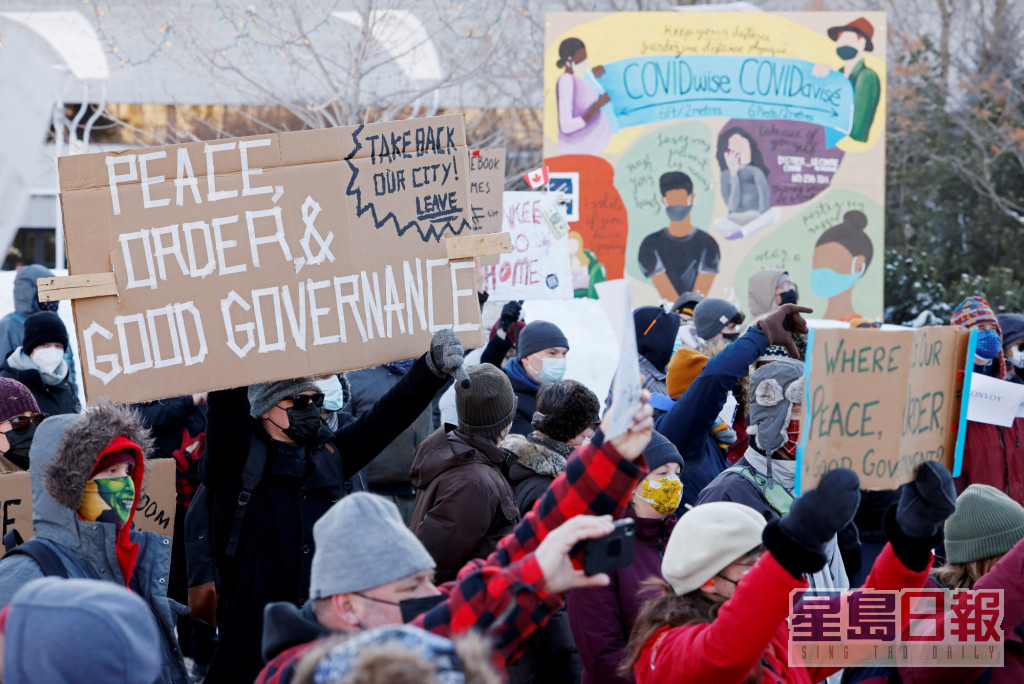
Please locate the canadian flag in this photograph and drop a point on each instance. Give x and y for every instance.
(537, 177)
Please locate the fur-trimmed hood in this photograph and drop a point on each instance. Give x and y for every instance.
(62, 457)
(537, 453)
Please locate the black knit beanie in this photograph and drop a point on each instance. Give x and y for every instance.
(655, 334)
(42, 328)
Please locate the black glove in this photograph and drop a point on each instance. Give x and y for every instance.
(914, 525)
(509, 315)
(798, 539)
(926, 502)
(780, 325)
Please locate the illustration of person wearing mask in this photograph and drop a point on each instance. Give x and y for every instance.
(744, 186)
(582, 128)
(679, 258)
(852, 41)
(841, 256)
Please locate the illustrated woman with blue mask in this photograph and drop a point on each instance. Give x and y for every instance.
(841, 257)
(540, 360)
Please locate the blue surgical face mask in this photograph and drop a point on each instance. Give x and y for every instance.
(678, 212)
(334, 398)
(553, 370)
(989, 344)
(677, 345)
(827, 282)
(846, 52)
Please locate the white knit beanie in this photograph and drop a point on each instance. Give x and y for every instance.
(708, 539)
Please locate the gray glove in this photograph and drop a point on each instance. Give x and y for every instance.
(446, 355)
(926, 502)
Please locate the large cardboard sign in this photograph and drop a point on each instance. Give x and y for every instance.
(154, 513)
(881, 403)
(711, 145)
(538, 265)
(268, 257)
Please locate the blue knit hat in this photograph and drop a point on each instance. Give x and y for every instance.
(538, 336)
(1012, 326)
(661, 451)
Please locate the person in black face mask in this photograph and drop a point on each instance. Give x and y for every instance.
(271, 468)
(19, 416)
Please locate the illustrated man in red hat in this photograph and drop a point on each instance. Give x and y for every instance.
(852, 41)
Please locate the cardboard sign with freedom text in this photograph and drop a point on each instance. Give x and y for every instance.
(269, 257)
(881, 403)
(153, 513)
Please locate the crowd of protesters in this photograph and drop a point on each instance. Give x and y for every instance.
(422, 521)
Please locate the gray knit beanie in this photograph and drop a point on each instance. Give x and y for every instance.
(660, 451)
(774, 389)
(986, 523)
(488, 405)
(361, 543)
(264, 395)
(711, 315)
(538, 336)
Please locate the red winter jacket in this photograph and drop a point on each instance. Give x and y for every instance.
(750, 626)
(994, 456)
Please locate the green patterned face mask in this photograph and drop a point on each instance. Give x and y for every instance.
(108, 500)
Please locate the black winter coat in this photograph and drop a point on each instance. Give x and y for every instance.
(527, 406)
(389, 472)
(272, 562)
(53, 400)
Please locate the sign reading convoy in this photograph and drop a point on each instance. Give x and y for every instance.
(268, 257)
(882, 402)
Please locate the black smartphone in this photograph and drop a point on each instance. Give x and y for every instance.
(610, 552)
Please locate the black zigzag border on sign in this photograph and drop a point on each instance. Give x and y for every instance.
(353, 191)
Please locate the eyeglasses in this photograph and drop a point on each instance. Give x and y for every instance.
(301, 401)
(874, 324)
(20, 423)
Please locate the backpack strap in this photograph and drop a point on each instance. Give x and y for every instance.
(45, 557)
(775, 495)
(251, 475)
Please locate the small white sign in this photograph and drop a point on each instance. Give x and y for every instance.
(995, 402)
(626, 386)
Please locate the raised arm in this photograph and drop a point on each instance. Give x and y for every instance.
(598, 480)
(360, 441)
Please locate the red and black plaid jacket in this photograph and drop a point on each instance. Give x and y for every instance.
(504, 596)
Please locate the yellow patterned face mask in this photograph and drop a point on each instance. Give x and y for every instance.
(663, 493)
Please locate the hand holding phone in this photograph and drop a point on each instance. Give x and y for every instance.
(610, 552)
